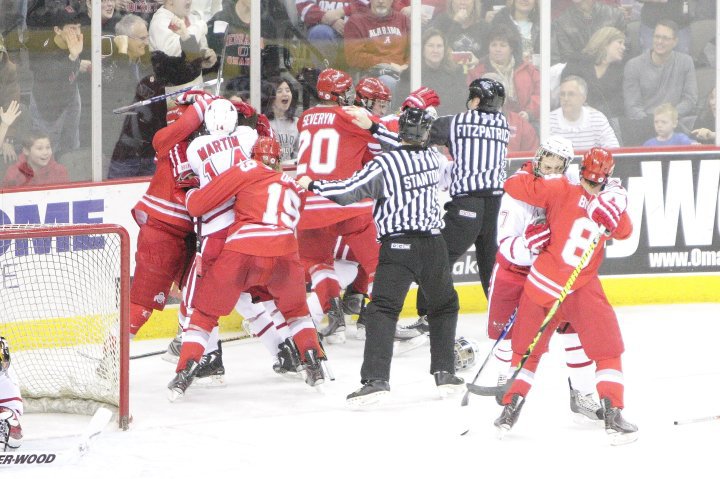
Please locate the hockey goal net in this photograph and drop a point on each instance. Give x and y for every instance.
(64, 310)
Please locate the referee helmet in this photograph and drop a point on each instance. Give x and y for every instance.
(490, 92)
(414, 125)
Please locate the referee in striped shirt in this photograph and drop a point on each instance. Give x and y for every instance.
(407, 214)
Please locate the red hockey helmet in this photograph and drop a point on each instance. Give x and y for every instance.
(371, 91)
(267, 150)
(335, 85)
(597, 165)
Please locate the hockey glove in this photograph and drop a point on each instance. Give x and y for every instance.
(183, 185)
(606, 208)
(191, 96)
(263, 127)
(536, 237)
(421, 98)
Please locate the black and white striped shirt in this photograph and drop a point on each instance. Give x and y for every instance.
(478, 144)
(404, 185)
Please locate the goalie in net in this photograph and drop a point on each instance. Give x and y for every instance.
(11, 405)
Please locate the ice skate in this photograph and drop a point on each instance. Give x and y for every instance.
(288, 359)
(173, 350)
(620, 431)
(509, 415)
(403, 346)
(584, 406)
(314, 374)
(353, 303)
(448, 384)
(334, 332)
(182, 381)
(211, 371)
(360, 325)
(372, 392)
(404, 333)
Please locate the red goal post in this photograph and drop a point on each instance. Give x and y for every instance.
(64, 305)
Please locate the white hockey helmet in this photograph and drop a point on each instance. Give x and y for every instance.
(221, 117)
(554, 145)
(466, 352)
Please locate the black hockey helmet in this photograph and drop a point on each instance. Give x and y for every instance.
(414, 125)
(490, 92)
(4, 354)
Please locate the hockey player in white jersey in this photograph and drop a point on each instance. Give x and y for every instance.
(11, 405)
(522, 234)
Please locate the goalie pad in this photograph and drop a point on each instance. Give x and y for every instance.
(10, 430)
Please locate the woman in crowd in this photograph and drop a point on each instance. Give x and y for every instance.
(465, 29)
(281, 112)
(521, 78)
(705, 126)
(601, 65)
(522, 16)
(441, 74)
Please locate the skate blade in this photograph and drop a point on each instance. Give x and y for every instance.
(175, 395)
(402, 347)
(501, 432)
(618, 439)
(169, 357)
(368, 401)
(447, 390)
(210, 382)
(582, 420)
(360, 334)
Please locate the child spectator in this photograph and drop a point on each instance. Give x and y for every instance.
(36, 164)
(666, 120)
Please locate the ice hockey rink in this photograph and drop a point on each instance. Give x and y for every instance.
(265, 426)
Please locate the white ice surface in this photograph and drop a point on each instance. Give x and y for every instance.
(265, 426)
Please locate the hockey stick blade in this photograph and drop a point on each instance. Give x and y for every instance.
(497, 391)
(682, 422)
(158, 353)
(97, 424)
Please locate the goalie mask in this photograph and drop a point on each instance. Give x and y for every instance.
(221, 117)
(414, 125)
(466, 352)
(4, 354)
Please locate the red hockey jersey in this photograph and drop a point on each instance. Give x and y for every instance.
(571, 232)
(267, 208)
(331, 147)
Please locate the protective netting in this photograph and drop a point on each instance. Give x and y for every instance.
(60, 310)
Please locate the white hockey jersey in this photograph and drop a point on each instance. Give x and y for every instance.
(210, 155)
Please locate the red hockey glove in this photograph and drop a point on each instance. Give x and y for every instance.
(606, 208)
(191, 96)
(536, 237)
(183, 185)
(244, 109)
(421, 98)
(263, 126)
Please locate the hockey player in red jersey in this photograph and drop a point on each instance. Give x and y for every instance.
(331, 147)
(575, 214)
(260, 251)
(166, 240)
(374, 96)
(522, 234)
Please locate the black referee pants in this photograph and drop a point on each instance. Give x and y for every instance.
(470, 220)
(402, 260)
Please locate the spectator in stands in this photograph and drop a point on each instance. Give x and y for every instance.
(429, 9)
(523, 136)
(524, 17)
(465, 29)
(377, 43)
(176, 29)
(55, 99)
(572, 30)
(522, 79)
(600, 65)
(442, 74)
(108, 18)
(237, 53)
(584, 126)
(8, 116)
(283, 119)
(325, 24)
(658, 76)
(121, 74)
(665, 118)
(9, 94)
(705, 126)
(36, 164)
(653, 11)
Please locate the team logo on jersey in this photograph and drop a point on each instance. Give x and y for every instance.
(159, 298)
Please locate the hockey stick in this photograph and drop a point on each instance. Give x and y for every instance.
(503, 333)
(158, 353)
(97, 424)
(682, 422)
(499, 391)
(221, 27)
(155, 99)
